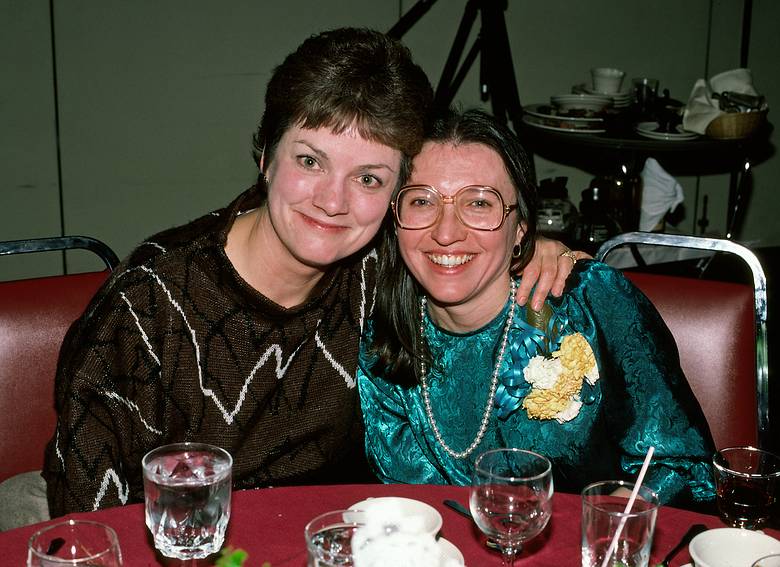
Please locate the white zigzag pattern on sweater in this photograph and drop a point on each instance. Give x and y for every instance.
(144, 336)
(228, 416)
(133, 406)
(121, 488)
(275, 349)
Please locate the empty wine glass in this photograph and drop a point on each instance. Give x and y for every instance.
(511, 498)
(74, 543)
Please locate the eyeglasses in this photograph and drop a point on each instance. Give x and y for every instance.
(477, 206)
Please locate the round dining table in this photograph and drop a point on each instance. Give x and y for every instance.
(268, 523)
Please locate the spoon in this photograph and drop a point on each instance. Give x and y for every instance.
(463, 511)
(692, 532)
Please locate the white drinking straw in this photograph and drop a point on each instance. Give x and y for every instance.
(629, 504)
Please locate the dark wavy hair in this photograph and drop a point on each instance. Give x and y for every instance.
(348, 77)
(397, 310)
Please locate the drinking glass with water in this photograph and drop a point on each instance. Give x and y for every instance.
(74, 543)
(187, 490)
(604, 511)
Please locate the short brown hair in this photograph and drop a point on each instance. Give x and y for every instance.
(346, 77)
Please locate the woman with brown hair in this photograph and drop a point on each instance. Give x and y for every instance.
(241, 328)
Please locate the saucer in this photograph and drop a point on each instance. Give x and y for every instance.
(563, 125)
(730, 547)
(574, 116)
(548, 117)
(622, 99)
(648, 130)
(620, 95)
(586, 102)
(450, 552)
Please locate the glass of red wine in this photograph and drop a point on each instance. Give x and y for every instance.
(746, 481)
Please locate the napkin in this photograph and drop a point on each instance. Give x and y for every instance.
(661, 193)
(702, 108)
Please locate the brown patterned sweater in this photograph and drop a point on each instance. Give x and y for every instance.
(177, 347)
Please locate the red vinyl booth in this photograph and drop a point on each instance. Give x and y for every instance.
(720, 331)
(34, 316)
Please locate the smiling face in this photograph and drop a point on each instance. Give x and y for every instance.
(327, 195)
(464, 271)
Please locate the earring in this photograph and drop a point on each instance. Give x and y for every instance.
(516, 251)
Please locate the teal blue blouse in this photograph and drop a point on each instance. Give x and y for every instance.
(641, 399)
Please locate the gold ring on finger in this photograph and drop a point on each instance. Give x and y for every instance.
(570, 255)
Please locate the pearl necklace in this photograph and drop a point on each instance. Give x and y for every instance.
(493, 382)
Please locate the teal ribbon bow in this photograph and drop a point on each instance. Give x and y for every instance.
(524, 342)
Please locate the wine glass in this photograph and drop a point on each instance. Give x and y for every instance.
(74, 543)
(511, 498)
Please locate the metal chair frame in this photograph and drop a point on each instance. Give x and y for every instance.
(760, 296)
(61, 243)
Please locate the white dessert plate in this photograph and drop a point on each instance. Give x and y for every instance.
(621, 94)
(623, 99)
(730, 547)
(594, 103)
(772, 560)
(549, 111)
(563, 125)
(449, 551)
(407, 507)
(648, 130)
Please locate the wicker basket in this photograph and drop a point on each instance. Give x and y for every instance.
(732, 125)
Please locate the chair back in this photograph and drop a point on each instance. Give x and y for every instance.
(35, 314)
(720, 331)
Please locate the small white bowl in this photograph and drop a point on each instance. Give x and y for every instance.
(407, 507)
(594, 103)
(730, 547)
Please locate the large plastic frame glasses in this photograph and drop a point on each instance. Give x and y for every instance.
(452, 200)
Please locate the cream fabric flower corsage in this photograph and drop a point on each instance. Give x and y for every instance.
(556, 382)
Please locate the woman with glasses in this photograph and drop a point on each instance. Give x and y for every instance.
(241, 328)
(452, 366)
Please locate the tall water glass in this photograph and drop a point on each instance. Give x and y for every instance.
(74, 543)
(603, 504)
(187, 493)
(511, 498)
(747, 482)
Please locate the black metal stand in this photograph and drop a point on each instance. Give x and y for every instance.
(497, 81)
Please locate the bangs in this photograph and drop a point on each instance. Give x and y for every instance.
(347, 118)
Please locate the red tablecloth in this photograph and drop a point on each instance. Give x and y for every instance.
(268, 523)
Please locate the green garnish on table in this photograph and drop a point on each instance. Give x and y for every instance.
(230, 557)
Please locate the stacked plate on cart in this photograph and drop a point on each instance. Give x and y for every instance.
(652, 130)
(622, 99)
(547, 117)
(578, 113)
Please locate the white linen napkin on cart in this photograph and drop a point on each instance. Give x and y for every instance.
(702, 108)
(661, 193)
